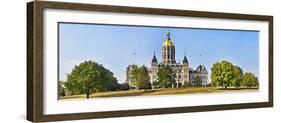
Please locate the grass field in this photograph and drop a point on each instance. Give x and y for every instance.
(165, 91)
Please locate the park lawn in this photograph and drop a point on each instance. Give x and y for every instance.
(166, 91)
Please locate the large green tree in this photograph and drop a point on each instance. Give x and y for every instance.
(249, 80)
(166, 76)
(89, 77)
(222, 74)
(216, 73)
(140, 77)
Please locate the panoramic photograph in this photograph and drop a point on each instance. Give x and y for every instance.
(103, 60)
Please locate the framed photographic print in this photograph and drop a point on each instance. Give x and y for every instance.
(90, 61)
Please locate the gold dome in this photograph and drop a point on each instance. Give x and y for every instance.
(168, 41)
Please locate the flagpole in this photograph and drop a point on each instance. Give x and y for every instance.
(134, 54)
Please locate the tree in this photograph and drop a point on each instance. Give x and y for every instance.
(155, 84)
(249, 80)
(140, 77)
(238, 73)
(112, 86)
(89, 77)
(146, 86)
(61, 89)
(166, 76)
(197, 81)
(124, 86)
(216, 74)
(222, 74)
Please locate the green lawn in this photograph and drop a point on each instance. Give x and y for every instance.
(165, 91)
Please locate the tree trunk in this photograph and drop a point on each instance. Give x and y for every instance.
(88, 95)
(225, 87)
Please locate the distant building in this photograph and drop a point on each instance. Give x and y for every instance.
(200, 72)
(184, 74)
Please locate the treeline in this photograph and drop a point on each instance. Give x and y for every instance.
(90, 77)
(141, 78)
(87, 78)
(225, 74)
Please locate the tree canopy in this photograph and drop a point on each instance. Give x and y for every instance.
(222, 74)
(61, 89)
(225, 74)
(89, 77)
(140, 77)
(238, 73)
(166, 76)
(249, 80)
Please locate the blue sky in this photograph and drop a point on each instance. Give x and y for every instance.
(114, 46)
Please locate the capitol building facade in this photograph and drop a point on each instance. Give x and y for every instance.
(184, 74)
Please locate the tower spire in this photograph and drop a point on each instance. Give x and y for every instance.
(154, 59)
(185, 59)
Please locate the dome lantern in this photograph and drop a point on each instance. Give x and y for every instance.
(168, 41)
(168, 50)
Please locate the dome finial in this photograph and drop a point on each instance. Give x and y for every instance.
(168, 35)
(168, 41)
